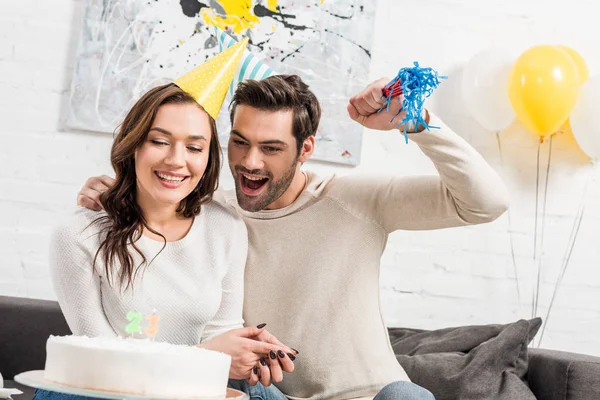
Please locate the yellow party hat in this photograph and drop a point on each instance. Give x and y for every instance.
(208, 83)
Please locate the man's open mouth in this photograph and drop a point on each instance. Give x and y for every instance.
(252, 184)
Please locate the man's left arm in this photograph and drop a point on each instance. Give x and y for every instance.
(466, 191)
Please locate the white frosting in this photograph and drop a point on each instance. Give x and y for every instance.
(136, 366)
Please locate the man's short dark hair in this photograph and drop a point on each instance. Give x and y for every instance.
(282, 92)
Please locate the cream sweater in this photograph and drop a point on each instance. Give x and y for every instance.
(195, 284)
(313, 267)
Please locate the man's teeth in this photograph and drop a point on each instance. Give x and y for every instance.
(171, 178)
(250, 178)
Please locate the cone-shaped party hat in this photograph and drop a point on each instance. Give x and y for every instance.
(208, 82)
(250, 66)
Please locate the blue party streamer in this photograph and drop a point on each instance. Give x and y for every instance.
(417, 85)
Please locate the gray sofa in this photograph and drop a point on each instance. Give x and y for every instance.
(550, 375)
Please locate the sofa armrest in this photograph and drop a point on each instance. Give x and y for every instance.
(24, 330)
(558, 375)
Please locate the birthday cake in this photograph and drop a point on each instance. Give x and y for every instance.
(136, 366)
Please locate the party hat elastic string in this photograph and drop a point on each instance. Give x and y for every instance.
(416, 84)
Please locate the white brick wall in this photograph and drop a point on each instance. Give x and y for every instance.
(429, 279)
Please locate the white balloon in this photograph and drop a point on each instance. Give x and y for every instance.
(585, 118)
(485, 88)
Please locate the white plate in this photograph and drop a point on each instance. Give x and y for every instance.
(35, 379)
(7, 393)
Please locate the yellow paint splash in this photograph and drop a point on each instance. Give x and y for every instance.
(274, 4)
(322, 1)
(238, 15)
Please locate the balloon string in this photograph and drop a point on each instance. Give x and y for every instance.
(568, 252)
(541, 251)
(535, 229)
(510, 230)
(537, 186)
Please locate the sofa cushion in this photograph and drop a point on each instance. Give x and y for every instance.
(469, 362)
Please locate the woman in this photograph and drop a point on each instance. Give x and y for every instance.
(160, 245)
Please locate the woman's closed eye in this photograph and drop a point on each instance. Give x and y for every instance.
(194, 149)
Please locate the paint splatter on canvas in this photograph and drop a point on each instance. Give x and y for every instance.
(129, 46)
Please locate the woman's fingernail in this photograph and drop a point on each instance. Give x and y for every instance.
(255, 370)
(280, 353)
(263, 362)
(291, 356)
(297, 352)
(272, 355)
(261, 326)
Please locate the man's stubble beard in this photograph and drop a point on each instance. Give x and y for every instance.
(275, 191)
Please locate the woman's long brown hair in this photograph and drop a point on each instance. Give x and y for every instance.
(124, 222)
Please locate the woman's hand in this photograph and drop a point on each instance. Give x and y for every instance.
(246, 352)
(271, 369)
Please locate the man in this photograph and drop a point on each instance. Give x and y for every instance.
(312, 272)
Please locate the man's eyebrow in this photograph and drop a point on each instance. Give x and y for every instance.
(274, 141)
(237, 133)
(279, 142)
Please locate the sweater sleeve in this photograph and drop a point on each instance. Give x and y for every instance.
(466, 191)
(229, 314)
(76, 285)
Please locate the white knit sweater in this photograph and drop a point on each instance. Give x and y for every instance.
(195, 285)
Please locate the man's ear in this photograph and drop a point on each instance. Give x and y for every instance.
(308, 147)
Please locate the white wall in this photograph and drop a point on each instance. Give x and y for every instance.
(429, 279)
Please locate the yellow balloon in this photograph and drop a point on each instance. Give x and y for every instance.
(584, 72)
(582, 68)
(543, 88)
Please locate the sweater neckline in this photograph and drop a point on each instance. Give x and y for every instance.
(190, 236)
(312, 188)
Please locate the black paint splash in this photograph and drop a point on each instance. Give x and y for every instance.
(191, 8)
(261, 45)
(293, 52)
(262, 11)
(339, 16)
(354, 43)
(362, 9)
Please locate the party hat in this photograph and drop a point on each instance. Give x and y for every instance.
(250, 67)
(208, 82)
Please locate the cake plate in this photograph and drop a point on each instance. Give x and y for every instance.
(35, 379)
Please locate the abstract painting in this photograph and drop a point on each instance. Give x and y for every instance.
(128, 46)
